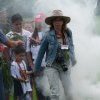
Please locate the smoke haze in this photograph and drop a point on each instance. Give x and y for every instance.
(86, 74)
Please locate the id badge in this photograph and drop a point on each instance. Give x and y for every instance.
(64, 47)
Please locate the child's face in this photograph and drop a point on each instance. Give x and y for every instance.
(20, 57)
(17, 26)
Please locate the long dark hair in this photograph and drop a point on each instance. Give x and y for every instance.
(35, 33)
(64, 29)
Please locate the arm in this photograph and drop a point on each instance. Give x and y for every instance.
(29, 72)
(15, 74)
(29, 59)
(42, 50)
(71, 49)
(28, 53)
(11, 43)
(8, 42)
(3, 38)
(20, 79)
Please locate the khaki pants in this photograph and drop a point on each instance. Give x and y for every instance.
(55, 84)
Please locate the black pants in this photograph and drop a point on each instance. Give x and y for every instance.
(2, 93)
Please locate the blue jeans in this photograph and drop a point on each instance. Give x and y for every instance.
(2, 93)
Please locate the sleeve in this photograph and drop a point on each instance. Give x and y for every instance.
(28, 42)
(14, 71)
(24, 64)
(71, 47)
(28, 45)
(42, 50)
(3, 38)
(8, 35)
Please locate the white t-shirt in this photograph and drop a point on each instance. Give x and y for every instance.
(40, 34)
(34, 49)
(26, 34)
(15, 72)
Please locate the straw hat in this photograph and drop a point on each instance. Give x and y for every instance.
(57, 14)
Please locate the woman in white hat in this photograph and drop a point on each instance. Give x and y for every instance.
(59, 49)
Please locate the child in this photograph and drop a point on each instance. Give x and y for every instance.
(22, 87)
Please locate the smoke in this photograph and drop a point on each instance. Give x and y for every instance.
(86, 74)
(24, 7)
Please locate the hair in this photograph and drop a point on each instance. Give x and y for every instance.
(64, 29)
(16, 17)
(19, 49)
(35, 33)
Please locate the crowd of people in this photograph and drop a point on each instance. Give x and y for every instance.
(42, 58)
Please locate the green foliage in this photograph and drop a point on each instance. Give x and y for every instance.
(67, 55)
(16, 37)
(6, 74)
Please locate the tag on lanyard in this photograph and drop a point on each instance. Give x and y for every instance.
(64, 47)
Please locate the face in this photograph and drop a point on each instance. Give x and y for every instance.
(28, 27)
(57, 23)
(20, 57)
(17, 26)
(38, 25)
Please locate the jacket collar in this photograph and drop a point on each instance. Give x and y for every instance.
(52, 32)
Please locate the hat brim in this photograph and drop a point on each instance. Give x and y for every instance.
(49, 20)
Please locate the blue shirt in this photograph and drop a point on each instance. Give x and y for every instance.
(3, 38)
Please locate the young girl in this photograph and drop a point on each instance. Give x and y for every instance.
(22, 87)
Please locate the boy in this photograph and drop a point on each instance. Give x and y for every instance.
(22, 87)
(18, 32)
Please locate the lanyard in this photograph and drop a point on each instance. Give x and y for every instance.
(23, 74)
(20, 66)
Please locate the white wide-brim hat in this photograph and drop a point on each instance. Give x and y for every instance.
(57, 14)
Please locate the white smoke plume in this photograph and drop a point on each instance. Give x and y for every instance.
(86, 74)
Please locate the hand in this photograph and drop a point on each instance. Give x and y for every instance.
(22, 80)
(74, 63)
(35, 40)
(39, 73)
(12, 43)
(27, 80)
(29, 72)
(19, 42)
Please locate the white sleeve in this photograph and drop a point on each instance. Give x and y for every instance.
(28, 45)
(41, 35)
(24, 64)
(14, 71)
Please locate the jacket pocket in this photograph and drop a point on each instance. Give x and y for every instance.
(51, 46)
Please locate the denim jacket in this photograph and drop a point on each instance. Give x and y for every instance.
(49, 46)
